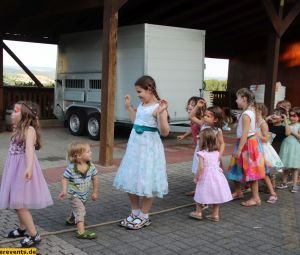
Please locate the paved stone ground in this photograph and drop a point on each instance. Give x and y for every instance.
(266, 229)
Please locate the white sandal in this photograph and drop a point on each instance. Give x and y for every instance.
(127, 220)
(138, 223)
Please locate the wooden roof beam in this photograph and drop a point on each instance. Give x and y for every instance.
(275, 20)
(290, 17)
(20, 63)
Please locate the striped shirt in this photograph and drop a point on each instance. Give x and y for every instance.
(79, 184)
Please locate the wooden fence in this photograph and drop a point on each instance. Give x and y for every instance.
(44, 97)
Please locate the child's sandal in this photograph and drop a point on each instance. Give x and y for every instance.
(86, 235)
(138, 223)
(124, 222)
(196, 216)
(15, 233)
(272, 199)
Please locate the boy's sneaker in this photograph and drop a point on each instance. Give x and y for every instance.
(31, 241)
(294, 189)
(70, 221)
(282, 186)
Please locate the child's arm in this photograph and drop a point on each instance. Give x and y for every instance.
(246, 124)
(162, 118)
(130, 108)
(95, 181)
(221, 143)
(30, 140)
(64, 186)
(288, 130)
(296, 134)
(265, 135)
(193, 113)
(186, 134)
(199, 170)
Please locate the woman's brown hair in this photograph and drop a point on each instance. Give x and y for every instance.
(208, 140)
(29, 117)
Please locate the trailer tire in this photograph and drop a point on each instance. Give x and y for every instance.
(76, 122)
(93, 126)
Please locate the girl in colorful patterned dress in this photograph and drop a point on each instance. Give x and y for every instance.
(272, 161)
(247, 162)
(23, 185)
(142, 172)
(290, 151)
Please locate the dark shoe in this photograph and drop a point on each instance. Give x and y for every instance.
(31, 241)
(15, 233)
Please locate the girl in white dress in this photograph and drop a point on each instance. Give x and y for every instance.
(273, 162)
(142, 172)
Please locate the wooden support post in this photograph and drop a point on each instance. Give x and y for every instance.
(272, 70)
(1, 90)
(273, 54)
(109, 59)
(20, 63)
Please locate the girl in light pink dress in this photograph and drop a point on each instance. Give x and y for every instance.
(212, 185)
(23, 185)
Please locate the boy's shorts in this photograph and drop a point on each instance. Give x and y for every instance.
(78, 209)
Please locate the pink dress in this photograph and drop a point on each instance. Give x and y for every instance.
(212, 187)
(16, 192)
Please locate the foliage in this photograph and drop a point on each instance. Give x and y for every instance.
(215, 85)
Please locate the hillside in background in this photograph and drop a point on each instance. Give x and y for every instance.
(15, 76)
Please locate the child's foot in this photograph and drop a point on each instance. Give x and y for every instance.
(282, 186)
(212, 218)
(251, 202)
(190, 193)
(138, 223)
(86, 235)
(15, 233)
(295, 189)
(272, 199)
(236, 195)
(204, 207)
(196, 215)
(125, 221)
(31, 241)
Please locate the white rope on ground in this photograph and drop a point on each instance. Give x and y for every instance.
(96, 225)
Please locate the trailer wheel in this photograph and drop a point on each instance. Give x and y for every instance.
(76, 122)
(93, 126)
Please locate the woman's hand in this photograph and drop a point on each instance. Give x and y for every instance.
(28, 174)
(163, 105)
(94, 196)
(127, 101)
(237, 154)
(61, 195)
(200, 103)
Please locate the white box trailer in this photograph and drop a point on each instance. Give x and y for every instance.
(173, 56)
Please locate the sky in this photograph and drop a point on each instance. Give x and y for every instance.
(44, 55)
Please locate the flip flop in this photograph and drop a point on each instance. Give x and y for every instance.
(196, 216)
(250, 203)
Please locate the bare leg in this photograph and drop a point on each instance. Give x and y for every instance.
(254, 190)
(269, 185)
(26, 221)
(237, 190)
(285, 176)
(215, 210)
(80, 227)
(295, 176)
(134, 201)
(147, 204)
